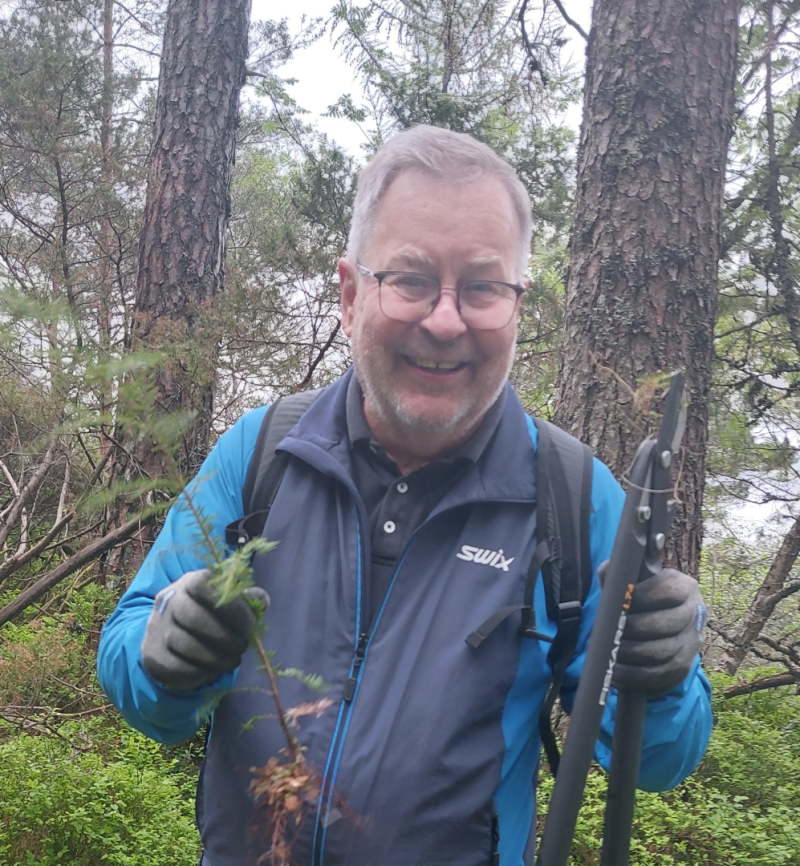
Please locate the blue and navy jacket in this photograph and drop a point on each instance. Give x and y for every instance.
(437, 746)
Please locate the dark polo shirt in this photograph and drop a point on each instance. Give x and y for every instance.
(398, 504)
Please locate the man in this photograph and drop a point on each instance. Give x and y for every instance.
(420, 449)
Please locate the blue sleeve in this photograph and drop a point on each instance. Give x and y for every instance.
(678, 725)
(163, 714)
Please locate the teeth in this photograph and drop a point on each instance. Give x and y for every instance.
(434, 365)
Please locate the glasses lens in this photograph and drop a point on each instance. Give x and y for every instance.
(408, 297)
(487, 305)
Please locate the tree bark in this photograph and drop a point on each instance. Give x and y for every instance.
(642, 283)
(182, 242)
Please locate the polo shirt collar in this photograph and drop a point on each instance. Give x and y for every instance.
(505, 472)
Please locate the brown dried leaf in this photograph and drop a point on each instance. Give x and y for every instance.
(310, 708)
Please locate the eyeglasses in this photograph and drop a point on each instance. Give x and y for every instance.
(485, 305)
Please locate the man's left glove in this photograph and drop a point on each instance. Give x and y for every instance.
(190, 641)
(663, 634)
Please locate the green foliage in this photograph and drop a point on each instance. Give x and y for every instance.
(463, 66)
(738, 809)
(314, 682)
(755, 750)
(234, 574)
(59, 806)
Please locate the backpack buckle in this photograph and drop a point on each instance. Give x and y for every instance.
(569, 611)
(236, 534)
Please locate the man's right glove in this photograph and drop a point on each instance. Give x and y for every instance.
(663, 633)
(190, 641)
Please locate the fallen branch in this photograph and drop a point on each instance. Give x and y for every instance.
(759, 685)
(19, 559)
(34, 592)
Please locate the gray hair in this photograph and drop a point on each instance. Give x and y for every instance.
(450, 157)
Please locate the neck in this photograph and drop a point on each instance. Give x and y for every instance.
(410, 448)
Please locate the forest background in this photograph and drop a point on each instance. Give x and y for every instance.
(112, 393)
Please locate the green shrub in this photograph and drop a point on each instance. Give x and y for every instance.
(693, 825)
(755, 749)
(59, 807)
(738, 809)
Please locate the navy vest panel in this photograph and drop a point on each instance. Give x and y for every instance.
(416, 756)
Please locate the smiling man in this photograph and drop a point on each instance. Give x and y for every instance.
(434, 329)
(406, 517)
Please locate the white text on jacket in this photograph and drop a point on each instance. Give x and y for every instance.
(494, 558)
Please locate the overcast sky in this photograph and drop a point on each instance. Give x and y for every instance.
(322, 76)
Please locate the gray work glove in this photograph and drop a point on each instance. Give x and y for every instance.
(189, 641)
(663, 633)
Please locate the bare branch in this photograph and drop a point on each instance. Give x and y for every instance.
(536, 65)
(570, 21)
(765, 600)
(63, 495)
(29, 490)
(322, 352)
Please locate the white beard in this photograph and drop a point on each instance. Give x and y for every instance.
(369, 362)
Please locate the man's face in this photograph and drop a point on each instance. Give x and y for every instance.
(456, 233)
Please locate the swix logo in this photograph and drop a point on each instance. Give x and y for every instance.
(494, 558)
(623, 616)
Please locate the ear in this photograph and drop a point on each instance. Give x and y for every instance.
(348, 284)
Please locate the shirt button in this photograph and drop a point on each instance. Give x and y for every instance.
(389, 527)
(402, 487)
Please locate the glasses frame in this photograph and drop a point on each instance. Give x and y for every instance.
(380, 276)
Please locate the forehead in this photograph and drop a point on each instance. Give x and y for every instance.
(427, 220)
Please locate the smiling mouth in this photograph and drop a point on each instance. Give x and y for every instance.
(434, 366)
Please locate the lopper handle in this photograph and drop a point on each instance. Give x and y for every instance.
(625, 758)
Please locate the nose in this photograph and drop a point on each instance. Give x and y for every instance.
(444, 322)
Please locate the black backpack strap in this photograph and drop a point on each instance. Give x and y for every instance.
(267, 468)
(564, 491)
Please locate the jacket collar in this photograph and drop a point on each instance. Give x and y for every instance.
(505, 471)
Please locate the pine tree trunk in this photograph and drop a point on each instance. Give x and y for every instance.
(182, 242)
(642, 284)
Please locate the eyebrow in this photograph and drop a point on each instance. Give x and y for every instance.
(485, 262)
(412, 260)
(420, 260)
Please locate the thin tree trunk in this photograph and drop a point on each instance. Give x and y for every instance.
(779, 266)
(182, 243)
(642, 283)
(106, 271)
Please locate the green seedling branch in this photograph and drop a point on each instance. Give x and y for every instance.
(231, 576)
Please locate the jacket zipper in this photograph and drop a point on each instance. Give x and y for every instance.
(348, 697)
(358, 660)
(337, 743)
(324, 794)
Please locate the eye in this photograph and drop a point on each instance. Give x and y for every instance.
(411, 284)
(482, 292)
